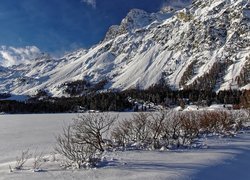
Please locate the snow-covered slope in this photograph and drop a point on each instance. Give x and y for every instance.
(206, 45)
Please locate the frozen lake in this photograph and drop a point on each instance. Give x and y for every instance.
(19, 132)
(225, 158)
(33, 131)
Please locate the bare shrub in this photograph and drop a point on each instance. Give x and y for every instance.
(172, 128)
(148, 130)
(122, 134)
(38, 161)
(240, 117)
(156, 128)
(83, 141)
(216, 121)
(247, 115)
(91, 128)
(178, 128)
(20, 161)
(207, 122)
(226, 121)
(76, 153)
(189, 127)
(140, 126)
(134, 130)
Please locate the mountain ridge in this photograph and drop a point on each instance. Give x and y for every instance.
(203, 46)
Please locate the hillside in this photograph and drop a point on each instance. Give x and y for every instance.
(203, 46)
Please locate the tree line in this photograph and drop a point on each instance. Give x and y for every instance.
(118, 101)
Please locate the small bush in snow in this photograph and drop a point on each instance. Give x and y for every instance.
(20, 161)
(189, 128)
(156, 129)
(38, 161)
(122, 133)
(173, 129)
(133, 131)
(91, 128)
(83, 141)
(141, 131)
(76, 153)
(216, 121)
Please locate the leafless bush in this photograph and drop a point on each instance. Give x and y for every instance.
(25, 156)
(156, 128)
(122, 134)
(216, 121)
(20, 161)
(146, 130)
(189, 127)
(76, 153)
(179, 128)
(91, 128)
(38, 161)
(141, 127)
(172, 128)
(82, 141)
(134, 130)
(208, 122)
(247, 112)
(226, 121)
(240, 117)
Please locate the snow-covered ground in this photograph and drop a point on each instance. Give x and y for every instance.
(220, 158)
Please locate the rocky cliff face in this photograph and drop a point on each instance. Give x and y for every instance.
(203, 46)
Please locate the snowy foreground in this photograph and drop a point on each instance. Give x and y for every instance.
(218, 158)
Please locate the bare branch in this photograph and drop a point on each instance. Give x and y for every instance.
(20, 161)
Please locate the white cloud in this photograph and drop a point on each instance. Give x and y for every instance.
(12, 56)
(90, 2)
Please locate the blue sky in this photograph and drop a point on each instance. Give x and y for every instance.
(56, 26)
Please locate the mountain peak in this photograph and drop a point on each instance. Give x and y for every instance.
(135, 19)
(204, 46)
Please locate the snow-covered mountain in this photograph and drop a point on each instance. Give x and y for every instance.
(203, 46)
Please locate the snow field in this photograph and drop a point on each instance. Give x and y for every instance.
(225, 158)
